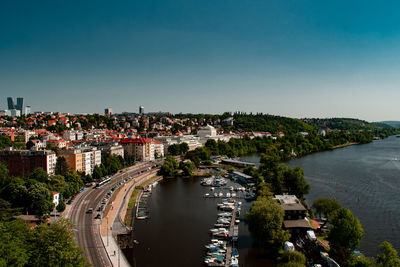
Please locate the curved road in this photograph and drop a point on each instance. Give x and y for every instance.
(86, 227)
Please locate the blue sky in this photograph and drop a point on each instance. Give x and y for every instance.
(292, 58)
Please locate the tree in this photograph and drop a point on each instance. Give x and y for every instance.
(325, 206)
(188, 168)
(61, 166)
(292, 259)
(14, 243)
(184, 147)
(40, 199)
(174, 150)
(61, 206)
(57, 183)
(170, 167)
(55, 246)
(40, 175)
(97, 172)
(265, 223)
(345, 234)
(295, 182)
(3, 174)
(388, 256)
(74, 181)
(360, 261)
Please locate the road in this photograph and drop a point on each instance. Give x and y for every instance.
(86, 227)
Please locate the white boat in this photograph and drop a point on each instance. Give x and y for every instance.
(228, 194)
(206, 195)
(233, 194)
(221, 194)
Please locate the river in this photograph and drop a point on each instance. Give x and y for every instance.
(178, 227)
(364, 179)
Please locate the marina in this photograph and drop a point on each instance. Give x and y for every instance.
(222, 251)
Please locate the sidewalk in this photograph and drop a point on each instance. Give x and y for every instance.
(110, 218)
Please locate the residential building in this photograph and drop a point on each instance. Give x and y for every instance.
(141, 110)
(295, 214)
(56, 198)
(81, 159)
(23, 162)
(142, 149)
(57, 143)
(110, 148)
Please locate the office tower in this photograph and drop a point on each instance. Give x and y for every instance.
(20, 105)
(108, 112)
(141, 110)
(27, 110)
(10, 102)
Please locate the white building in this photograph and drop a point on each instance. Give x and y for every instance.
(56, 198)
(207, 131)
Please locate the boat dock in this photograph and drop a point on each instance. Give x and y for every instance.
(233, 230)
(222, 251)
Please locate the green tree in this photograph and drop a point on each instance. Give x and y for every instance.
(97, 172)
(57, 183)
(61, 206)
(325, 206)
(3, 174)
(345, 234)
(40, 199)
(295, 182)
(360, 261)
(292, 259)
(188, 167)
(74, 181)
(170, 167)
(174, 150)
(265, 223)
(14, 243)
(61, 166)
(55, 246)
(388, 256)
(184, 147)
(40, 175)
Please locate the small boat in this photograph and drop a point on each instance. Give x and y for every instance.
(206, 195)
(221, 194)
(228, 194)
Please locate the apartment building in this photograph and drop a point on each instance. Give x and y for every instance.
(142, 149)
(23, 162)
(82, 159)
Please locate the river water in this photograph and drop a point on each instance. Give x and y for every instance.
(178, 227)
(364, 179)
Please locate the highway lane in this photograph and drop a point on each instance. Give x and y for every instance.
(87, 229)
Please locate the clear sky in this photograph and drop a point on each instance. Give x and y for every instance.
(293, 58)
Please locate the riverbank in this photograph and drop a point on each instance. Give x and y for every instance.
(345, 145)
(130, 209)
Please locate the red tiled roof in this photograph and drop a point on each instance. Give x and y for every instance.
(135, 141)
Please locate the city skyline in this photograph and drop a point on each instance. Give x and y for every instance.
(295, 59)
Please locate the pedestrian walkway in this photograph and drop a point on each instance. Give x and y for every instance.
(115, 254)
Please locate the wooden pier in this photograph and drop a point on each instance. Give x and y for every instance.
(233, 232)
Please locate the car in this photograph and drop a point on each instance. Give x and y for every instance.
(90, 210)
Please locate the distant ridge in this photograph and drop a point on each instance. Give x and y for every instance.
(394, 124)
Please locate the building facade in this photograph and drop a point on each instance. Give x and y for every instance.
(23, 162)
(142, 149)
(82, 159)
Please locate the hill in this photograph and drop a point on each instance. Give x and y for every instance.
(394, 124)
